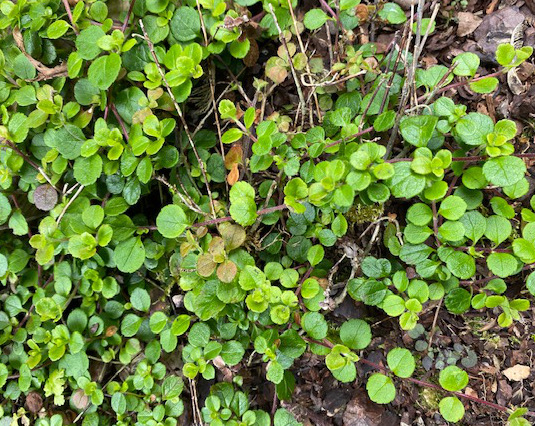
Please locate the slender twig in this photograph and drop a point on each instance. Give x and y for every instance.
(459, 83)
(471, 159)
(120, 121)
(435, 221)
(303, 51)
(329, 9)
(435, 318)
(181, 116)
(292, 68)
(229, 218)
(128, 14)
(69, 203)
(69, 14)
(492, 277)
(11, 145)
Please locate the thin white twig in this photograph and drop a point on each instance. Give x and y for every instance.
(69, 203)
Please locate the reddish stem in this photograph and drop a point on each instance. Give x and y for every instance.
(460, 83)
(229, 218)
(484, 280)
(225, 218)
(69, 14)
(130, 9)
(471, 159)
(328, 344)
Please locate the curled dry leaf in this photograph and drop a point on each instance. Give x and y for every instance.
(517, 373)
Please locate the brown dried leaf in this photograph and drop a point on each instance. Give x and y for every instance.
(80, 400)
(206, 265)
(253, 54)
(468, 23)
(45, 197)
(233, 156)
(34, 402)
(233, 175)
(233, 235)
(517, 373)
(217, 249)
(227, 271)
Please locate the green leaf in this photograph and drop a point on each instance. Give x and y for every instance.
(284, 418)
(275, 372)
(129, 255)
(57, 29)
(502, 264)
(466, 64)
(82, 246)
(392, 13)
(140, 299)
(417, 130)
(232, 135)
(473, 128)
(381, 389)
(199, 335)
(18, 127)
(356, 334)
(86, 42)
(185, 24)
(315, 325)
(314, 19)
(393, 305)
(498, 229)
(5, 209)
(462, 265)
(485, 85)
(474, 224)
(172, 221)
(88, 169)
(405, 183)
(157, 322)
(68, 141)
(419, 214)
(227, 109)
(385, 121)
(104, 71)
(453, 379)
(315, 254)
(451, 408)
(505, 53)
(452, 207)
(23, 68)
(242, 203)
(232, 352)
(523, 249)
(401, 362)
(504, 171)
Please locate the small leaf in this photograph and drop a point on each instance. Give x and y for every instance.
(172, 221)
(242, 203)
(314, 19)
(381, 388)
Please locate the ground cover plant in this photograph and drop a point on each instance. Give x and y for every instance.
(192, 189)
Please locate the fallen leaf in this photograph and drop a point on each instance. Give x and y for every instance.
(45, 197)
(517, 373)
(468, 22)
(34, 402)
(233, 175)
